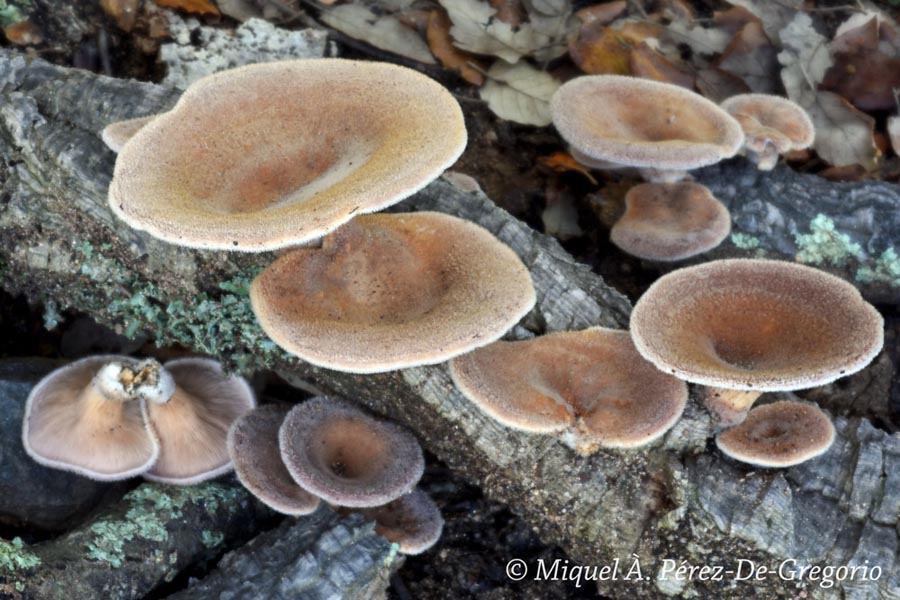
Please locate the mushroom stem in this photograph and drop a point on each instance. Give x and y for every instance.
(730, 407)
(122, 381)
(663, 175)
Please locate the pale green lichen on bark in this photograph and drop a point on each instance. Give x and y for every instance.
(15, 556)
(152, 508)
(886, 269)
(745, 241)
(212, 539)
(825, 245)
(221, 324)
(14, 11)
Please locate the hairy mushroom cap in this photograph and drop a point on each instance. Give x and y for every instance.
(391, 291)
(670, 221)
(344, 456)
(253, 447)
(192, 423)
(412, 521)
(643, 123)
(275, 154)
(772, 125)
(87, 418)
(592, 383)
(116, 134)
(753, 324)
(780, 434)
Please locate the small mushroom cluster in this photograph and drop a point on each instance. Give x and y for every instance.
(296, 152)
(115, 417)
(326, 449)
(742, 327)
(613, 122)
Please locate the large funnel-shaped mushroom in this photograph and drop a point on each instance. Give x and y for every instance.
(755, 325)
(192, 423)
(346, 457)
(275, 154)
(87, 418)
(592, 386)
(660, 128)
(391, 291)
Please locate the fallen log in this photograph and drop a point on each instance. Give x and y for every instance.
(651, 509)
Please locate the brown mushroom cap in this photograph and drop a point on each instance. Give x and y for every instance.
(412, 521)
(752, 324)
(768, 119)
(643, 123)
(192, 425)
(75, 423)
(253, 447)
(390, 291)
(592, 382)
(275, 154)
(780, 434)
(671, 221)
(116, 134)
(344, 456)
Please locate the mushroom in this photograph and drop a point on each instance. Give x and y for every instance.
(780, 434)
(192, 421)
(253, 448)
(275, 154)
(772, 126)
(339, 453)
(412, 521)
(87, 418)
(662, 129)
(391, 291)
(747, 326)
(116, 134)
(590, 386)
(669, 222)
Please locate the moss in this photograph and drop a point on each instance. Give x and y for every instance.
(14, 556)
(13, 11)
(220, 323)
(825, 245)
(151, 508)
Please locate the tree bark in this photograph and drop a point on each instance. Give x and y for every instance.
(677, 500)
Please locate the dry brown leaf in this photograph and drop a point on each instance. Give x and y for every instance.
(866, 78)
(603, 13)
(24, 33)
(893, 130)
(509, 11)
(601, 51)
(753, 58)
(734, 19)
(676, 10)
(449, 55)
(381, 31)
(646, 63)
(123, 12)
(197, 7)
(717, 85)
(562, 162)
(702, 40)
(854, 39)
(519, 93)
(774, 14)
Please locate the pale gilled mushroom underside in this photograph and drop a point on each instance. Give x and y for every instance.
(392, 291)
(276, 154)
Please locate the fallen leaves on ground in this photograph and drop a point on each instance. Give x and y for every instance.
(519, 92)
(562, 162)
(450, 56)
(197, 7)
(381, 31)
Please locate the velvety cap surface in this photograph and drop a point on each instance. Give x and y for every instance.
(593, 382)
(275, 154)
(780, 434)
(752, 324)
(390, 291)
(779, 121)
(413, 521)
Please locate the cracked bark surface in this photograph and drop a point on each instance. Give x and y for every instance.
(678, 499)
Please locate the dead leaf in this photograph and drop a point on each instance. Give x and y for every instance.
(702, 40)
(562, 162)
(717, 85)
(601, 51)
(123, 12)
(805, 59)
(23, 33)
(866, 78)
(476, 29)
(847, 173)
(753, 58)
(385, 32)
(734, 19)
(863, 36)
(603, 13)
(449, 55)
(646, 63)
(676, 10)
(774, 14)
(509, 11)
(197, 7)
(240, 10)
(893, 130)
(519, 92)
(548, 8)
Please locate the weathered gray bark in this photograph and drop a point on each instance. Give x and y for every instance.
(319, 557)
(678, 500)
